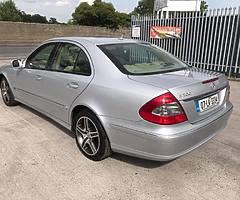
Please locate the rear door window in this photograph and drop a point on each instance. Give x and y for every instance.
(82, 65)
(70, 58)
(65, 58)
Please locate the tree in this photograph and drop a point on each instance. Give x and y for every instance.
(9, 11)
(144, 7)
(83, 15)
(124, 19)
(36, 18)
(104, 14)
(203, 6)
(99, 14)
(26, 17)
(53, 21)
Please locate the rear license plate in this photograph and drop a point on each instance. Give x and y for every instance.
(207, 103)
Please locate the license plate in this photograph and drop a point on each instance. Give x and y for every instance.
(207, 103)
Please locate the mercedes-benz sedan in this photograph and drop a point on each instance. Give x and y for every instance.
(120, 95)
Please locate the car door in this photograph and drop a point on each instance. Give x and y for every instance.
(67, 77)
(28, 78)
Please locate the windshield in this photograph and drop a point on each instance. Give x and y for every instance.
(141, 59)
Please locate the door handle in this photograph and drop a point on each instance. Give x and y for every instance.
(73, 85)
(38, 78)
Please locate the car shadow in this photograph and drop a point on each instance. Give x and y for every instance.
(140, 162)
(63, 129)
(149, 164)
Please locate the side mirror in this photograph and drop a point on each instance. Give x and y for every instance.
(16, 63)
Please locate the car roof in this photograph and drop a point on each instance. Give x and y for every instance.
(95, 40)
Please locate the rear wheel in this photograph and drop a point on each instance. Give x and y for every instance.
(7, 94)
(91, 137)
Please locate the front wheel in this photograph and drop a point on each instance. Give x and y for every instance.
(91, 137)
(7, 94)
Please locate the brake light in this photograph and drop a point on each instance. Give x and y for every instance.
(164, 109)
(210, 80)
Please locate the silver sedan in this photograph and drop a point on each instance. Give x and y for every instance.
(119, 95)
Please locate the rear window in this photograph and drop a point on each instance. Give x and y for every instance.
(142, 59)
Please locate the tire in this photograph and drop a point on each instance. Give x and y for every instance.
(7, 94)
(90, 136)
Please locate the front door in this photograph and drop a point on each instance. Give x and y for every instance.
(67, 77)
(29, 78)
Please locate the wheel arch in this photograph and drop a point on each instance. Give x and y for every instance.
(2, 76)
(79, 108)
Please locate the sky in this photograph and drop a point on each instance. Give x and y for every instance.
(63, 9)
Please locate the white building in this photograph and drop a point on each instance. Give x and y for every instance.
(166, 6)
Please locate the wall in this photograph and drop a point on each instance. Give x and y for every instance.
(14, 32)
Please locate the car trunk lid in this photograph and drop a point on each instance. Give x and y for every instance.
(189, 86)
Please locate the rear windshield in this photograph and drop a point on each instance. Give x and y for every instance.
(141, 59)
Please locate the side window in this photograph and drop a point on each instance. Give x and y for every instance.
(65, 58)
(71, 58)
(40, 58)
(82, 65)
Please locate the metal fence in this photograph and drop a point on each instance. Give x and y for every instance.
(209, 40)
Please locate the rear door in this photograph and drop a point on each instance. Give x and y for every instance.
(69, 74)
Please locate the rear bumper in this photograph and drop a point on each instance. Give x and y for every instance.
(167, 147)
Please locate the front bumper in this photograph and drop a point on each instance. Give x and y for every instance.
(166, 147)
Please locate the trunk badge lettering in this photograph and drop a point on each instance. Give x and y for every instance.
(184, 95)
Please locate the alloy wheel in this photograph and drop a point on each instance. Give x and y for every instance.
(5, 91)
(87, 136)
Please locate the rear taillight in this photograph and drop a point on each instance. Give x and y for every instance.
(164, 109)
